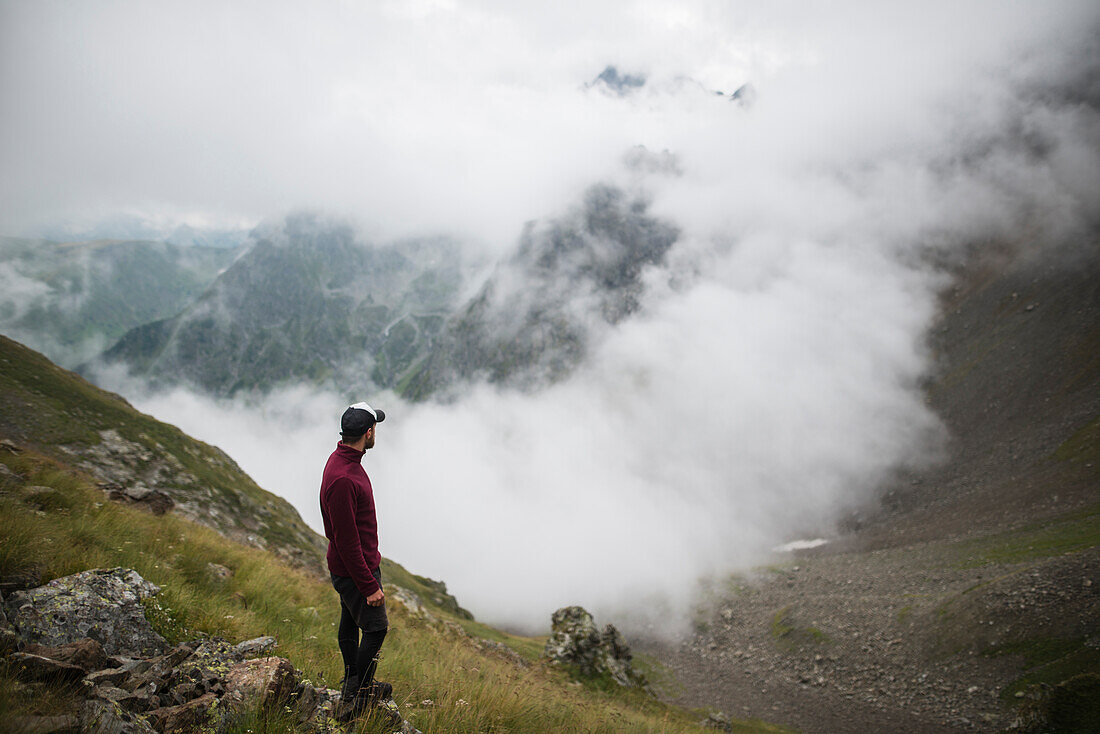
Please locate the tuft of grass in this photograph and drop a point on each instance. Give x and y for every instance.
(1076, 532)
(1046, 660)
(789, 636)
(1083, 446)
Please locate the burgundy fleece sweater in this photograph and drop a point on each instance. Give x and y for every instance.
(347, 509)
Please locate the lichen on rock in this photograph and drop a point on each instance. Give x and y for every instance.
(577, 643)
(101, 604)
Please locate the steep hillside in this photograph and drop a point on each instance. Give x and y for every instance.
(973, 580)
(73, 299)
(65, 417)
(570, 277)
(307, 301)
(1018, 386)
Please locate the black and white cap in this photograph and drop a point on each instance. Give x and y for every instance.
(359, 418)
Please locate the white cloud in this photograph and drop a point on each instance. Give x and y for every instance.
(771, 386)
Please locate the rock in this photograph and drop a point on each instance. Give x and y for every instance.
(256, 646)
(7, 476)
(33, 668)
(266, 681)
(156, 674)
(153, 500)
(323, 708)
(205, 668)
(613, 656)
(442, 598)
(85, 653)
(392, 717)
(410, 601)
(717, 720)
(306, 700)
(45, 724)
(108, 693)
(103, 717)
(500, 650)
(9, 447)
(575, 642)
(573, 639)
(109, 677)
(137, 492)
(185, 717)
(140, 700)
(102, 604)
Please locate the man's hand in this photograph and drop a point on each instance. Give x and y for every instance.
(377, 599)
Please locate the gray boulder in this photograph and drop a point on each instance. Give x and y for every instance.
(105, 717)
(268, 682)
(257, 646)
(101, 604)
(577, 643)
(33, 668)
(86, 653)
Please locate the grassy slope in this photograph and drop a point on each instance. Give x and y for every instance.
(49, 408)
(74, 528)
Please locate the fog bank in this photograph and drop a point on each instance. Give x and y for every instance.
(771, 378)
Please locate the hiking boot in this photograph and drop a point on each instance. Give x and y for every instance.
(378, 690)
(349, 687)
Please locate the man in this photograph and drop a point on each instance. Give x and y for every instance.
(347, 509)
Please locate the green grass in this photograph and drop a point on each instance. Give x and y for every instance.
(50, 408)
(790, 636)
(1046, 660)
(1083, 446)
(1075, 532)
(469, 690)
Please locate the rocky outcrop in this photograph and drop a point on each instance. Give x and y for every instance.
(88, 632)
(102, 604)
(153, 500)
(148, 475)
(577, 643)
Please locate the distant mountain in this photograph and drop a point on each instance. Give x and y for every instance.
(129, 227)
(308, 300)
(569, 278)
(188, 236)
(72, 299)
(620, 85)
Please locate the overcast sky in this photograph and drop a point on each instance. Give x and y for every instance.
(464, 117)
(771, 378)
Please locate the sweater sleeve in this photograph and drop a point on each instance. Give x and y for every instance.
(342, 507)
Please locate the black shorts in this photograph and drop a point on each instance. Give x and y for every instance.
(369, 619)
